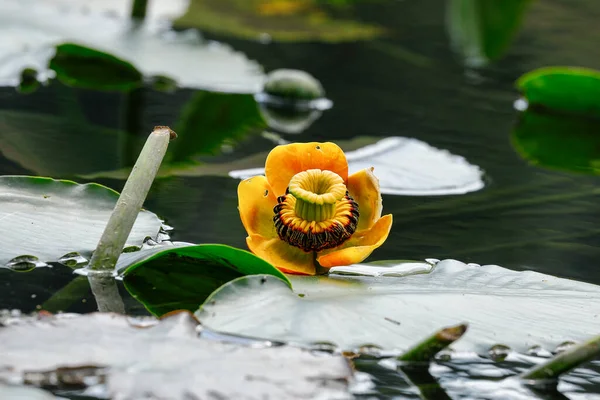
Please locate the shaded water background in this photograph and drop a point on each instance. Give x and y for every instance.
(409, 84)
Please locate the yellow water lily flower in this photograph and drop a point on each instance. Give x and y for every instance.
(306, 212)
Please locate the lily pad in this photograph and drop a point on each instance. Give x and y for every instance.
(46, 219)
(180, 276)
(282, 20)
(515, 309)
(129, 359)
(409, 167)
(86, 68)
(32, 30)
(571, 90)
(9, 392)
(563, 142)
(482, 31)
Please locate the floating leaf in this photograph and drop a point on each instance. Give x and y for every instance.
(517, 309)
(46, 219)
(482, 31)
(571, 90)
(180, 276)
(283, 20)
(406, 166)
(561, 142)
(30, 35)
(86, 68)
(160, 359)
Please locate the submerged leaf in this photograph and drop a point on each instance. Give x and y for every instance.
(164, 359)
(482, 31)
(563, 142)
(46, 219)
(517, 309)
(180, 276)
(570, 90)
(86, 68)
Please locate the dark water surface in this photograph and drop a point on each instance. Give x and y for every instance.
(410, 84)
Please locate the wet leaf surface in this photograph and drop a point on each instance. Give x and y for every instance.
(129, 359)
(31, 34)
(176, 276)
(10, 392)
(516, 309)
(48, 219)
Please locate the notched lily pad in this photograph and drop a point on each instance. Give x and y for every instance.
(517, 309)
(45, 219)
(129, 359)
(175, 275)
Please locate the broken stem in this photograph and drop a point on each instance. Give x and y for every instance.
(428, 348)
(565, 361)
(138, 9)
(131, 200)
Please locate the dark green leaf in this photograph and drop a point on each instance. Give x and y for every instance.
(166, 278)
(565, 89)
(209, 119)
(86, 68)
(563, 142)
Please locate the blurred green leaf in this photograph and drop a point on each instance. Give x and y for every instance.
(561, 142)
(209, 119)
(181, 276)
(282, 20)
(483, 31)
(86, 68)
(570, 90)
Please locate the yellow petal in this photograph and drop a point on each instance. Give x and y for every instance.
(286, 258)
(364, 188)
(285, 161)
(256, 200)
(359, 246)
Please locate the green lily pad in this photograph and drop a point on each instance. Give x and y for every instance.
(571, 90)
(86, 68)
(562, 142)
(180, 276)
(47, 219)
(135, 359)
(287, 20)
(516, 309)
(482, 31)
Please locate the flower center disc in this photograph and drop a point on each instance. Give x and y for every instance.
(316, 213)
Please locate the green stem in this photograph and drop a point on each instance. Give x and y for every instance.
(428, 386)
(138, 10)
(131, 200)
(105, 290)
(425, 351)
(565, 361)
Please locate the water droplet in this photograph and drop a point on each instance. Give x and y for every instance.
(564, 346)
(444, 355)
(370, 350)
(131, 249)
(521, 104)
(499, 352)
(73, 259)
(25, 263)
